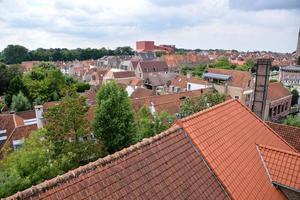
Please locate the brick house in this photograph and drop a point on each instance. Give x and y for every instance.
(237, 84)
(278, 103)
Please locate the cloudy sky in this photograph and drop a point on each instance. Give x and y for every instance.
(228, 24)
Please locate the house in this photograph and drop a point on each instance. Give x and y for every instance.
(28, 65)
(157, 81)
(183, 83)
(278, 104)
(144, 68)
(120, 76)
(237, 156)
(237, 84)
(95, 76)
(290, 75)
(134, 84)
(169, 103)
(141, 93)
(13, 131)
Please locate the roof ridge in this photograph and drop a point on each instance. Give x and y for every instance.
(207, 110)
(48, 184)
(279, 150)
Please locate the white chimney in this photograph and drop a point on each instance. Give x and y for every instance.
(39, 115)
(188, 75)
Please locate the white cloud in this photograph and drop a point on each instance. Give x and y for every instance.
(110, 23)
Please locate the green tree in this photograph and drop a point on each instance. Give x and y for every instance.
(292, 120)
(114, 121)
(44, 82)
(70, 132)
(20, 102)
(190, 106)
(144, 122)
(223, 63)
(7, 73)
(81, 87)
(29, 165)
(15, 86)
(13, 54)
(295, 97)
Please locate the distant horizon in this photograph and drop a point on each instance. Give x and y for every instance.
(249, 25)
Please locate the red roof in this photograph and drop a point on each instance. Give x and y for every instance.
(288, 133)
(27, 114)
(282, 166)
(227, 135)
(124, 74)
(141, 92)
(277, 91)
(163, 167)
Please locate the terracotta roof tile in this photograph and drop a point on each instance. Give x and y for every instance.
(136, 82)
(7, 122)
(282, 166)
(226, 135)
(141, 92)
(163, 167)
(239, 78)
(30, 114)
(124, 74)
(153, 66)
(277, 91)
(288, 133)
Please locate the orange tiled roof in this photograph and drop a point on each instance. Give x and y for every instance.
(239, 78)
(141, 92)
(288, 133)
(282, 166)
(136, 82)
(277, 91)
(30, 114)
(227, 135)
(166, 166)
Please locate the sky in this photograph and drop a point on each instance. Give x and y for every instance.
(270, 25)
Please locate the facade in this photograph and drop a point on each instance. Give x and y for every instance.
(146, 46)
(120, 76)
(144, 68)
(290, 75)
(237, 84)
(278, 104)
(235, 157)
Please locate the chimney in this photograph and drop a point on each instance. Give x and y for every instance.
(188, 75)
(39, 115)
(261, 86)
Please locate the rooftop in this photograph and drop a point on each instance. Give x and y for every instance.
(277, 91)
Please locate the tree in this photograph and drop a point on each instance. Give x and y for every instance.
(14, 54)
(223, 63)
(114, 121)
(15, 86)
(292, 120)
(81, 87)
(20, 102)
(44, 82)
(70, 132)
(29, 165)
(190, 106)
(7, 73)
(295, 97)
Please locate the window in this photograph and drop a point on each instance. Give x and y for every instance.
(189, 87)
(282, 107)
(278, 109)
(274, 110)
(249, 82)
(236, 97)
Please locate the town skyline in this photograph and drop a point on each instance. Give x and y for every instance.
(219, 24)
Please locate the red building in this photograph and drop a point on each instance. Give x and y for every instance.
(145, 46)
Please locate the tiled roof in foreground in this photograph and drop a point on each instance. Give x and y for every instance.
(166, 166)
(282, 166)
(227, 135)
(290, 134)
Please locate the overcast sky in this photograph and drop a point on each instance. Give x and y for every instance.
(227, 24)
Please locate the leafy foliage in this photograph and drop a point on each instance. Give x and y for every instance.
(14, 54)
(44, 82)
(114, 121)
(20, 102)
(148, 125)
(29, 165)
(292, 121)
(81, 87)
(7, 74)
(190, 106)
(70, 132)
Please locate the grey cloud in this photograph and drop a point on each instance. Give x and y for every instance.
(172, 2)
(249, 5)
